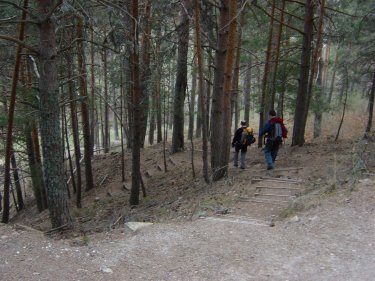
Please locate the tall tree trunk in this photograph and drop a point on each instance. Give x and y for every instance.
(332, 86)
(181, 79)
(247, 91)
(192, 102)
(217, 111)
(236, 74)
(76, 144)
(145, 74)
(302, 93)
(208, 96)
(84, 107)
(318, 96)
(279, 27)
(370, 106)
(198, 122)
(9, 145)
(94, 129)
(19, 201)
(220, 168)
(50, 121)
(116, 116)
(267, 66)
(228, 86)
(315, 60)
(39, 166)
(122, 97)
(137, 111)
(35, 179)
(106, 101)
(17, 182)
(158, 104)
(201, 89)
(64, 127)
(345, 90)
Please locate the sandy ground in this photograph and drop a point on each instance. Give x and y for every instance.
(334, 241)
(298, 222)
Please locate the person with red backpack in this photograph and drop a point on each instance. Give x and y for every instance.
(274, 131)
(243, 137)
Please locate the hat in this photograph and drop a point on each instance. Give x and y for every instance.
(243, 123)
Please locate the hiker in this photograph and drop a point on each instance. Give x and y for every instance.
(243, 137)
(274, 136)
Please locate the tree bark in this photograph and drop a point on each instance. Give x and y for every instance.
(76, 144)
(332, 86)
(315, 63)
(263, 110)
(228, 87)
(50, 121)
(9, 145)
(84, 107)
(35, 179)
(302, 92)
(217, 111)
(93, 124)
(201, 89)
(279, 26)
(236, 73)
(247, 92)
(370, 106)
(181, 79)
(192, 101)
(106, 100)
(145, 73)
(345, 90)
(222, 128)
(137, 114)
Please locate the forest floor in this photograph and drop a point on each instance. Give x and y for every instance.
(312, 218)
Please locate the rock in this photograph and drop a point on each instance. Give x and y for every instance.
(137, 225)
(223, 211)
(294, 219)
(4, 237)
(314, 218)
(202, 214)
(364, 180)
(96, 199)
(106, 269)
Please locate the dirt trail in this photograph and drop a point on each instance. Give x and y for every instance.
(230, 230)
(332, 242)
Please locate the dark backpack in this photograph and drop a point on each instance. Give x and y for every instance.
(248, 136)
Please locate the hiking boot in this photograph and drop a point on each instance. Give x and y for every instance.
(243, 168)
(235, 165)
(270, 168)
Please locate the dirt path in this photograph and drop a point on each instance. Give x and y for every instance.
(332, 242)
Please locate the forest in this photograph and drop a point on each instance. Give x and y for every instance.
(85, 78)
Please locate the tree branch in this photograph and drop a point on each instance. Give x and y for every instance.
(275, 19)
(50, 13)
(18, 42)
(18, 7)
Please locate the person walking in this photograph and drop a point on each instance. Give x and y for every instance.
(274, 131)
(240, 144)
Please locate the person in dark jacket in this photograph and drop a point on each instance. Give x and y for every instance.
(272, 146)
(238, 145)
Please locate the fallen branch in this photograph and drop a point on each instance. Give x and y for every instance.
(102, 181)
(275, 195)
(278, 187)
(55, 229)
(117, 221)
